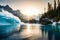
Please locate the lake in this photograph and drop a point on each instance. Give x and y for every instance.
(35, 32)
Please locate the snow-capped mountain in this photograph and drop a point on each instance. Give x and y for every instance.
(14, 12)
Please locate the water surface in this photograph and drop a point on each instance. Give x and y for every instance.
(36, 32)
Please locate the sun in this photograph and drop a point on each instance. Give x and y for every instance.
(30, 11)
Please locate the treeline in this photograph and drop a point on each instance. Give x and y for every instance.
(53, 14)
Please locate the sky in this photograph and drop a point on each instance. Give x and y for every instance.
(21, 4)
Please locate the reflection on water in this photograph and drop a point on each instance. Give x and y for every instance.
(36, 32)
(31, 31)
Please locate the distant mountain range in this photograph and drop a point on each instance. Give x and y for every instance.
(15, 13)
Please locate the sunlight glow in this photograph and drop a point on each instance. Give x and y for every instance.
(28, 28)
(30, 11)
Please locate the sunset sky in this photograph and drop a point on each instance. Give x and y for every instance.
(22, 4)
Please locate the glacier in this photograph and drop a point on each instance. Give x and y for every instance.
(8, 23)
